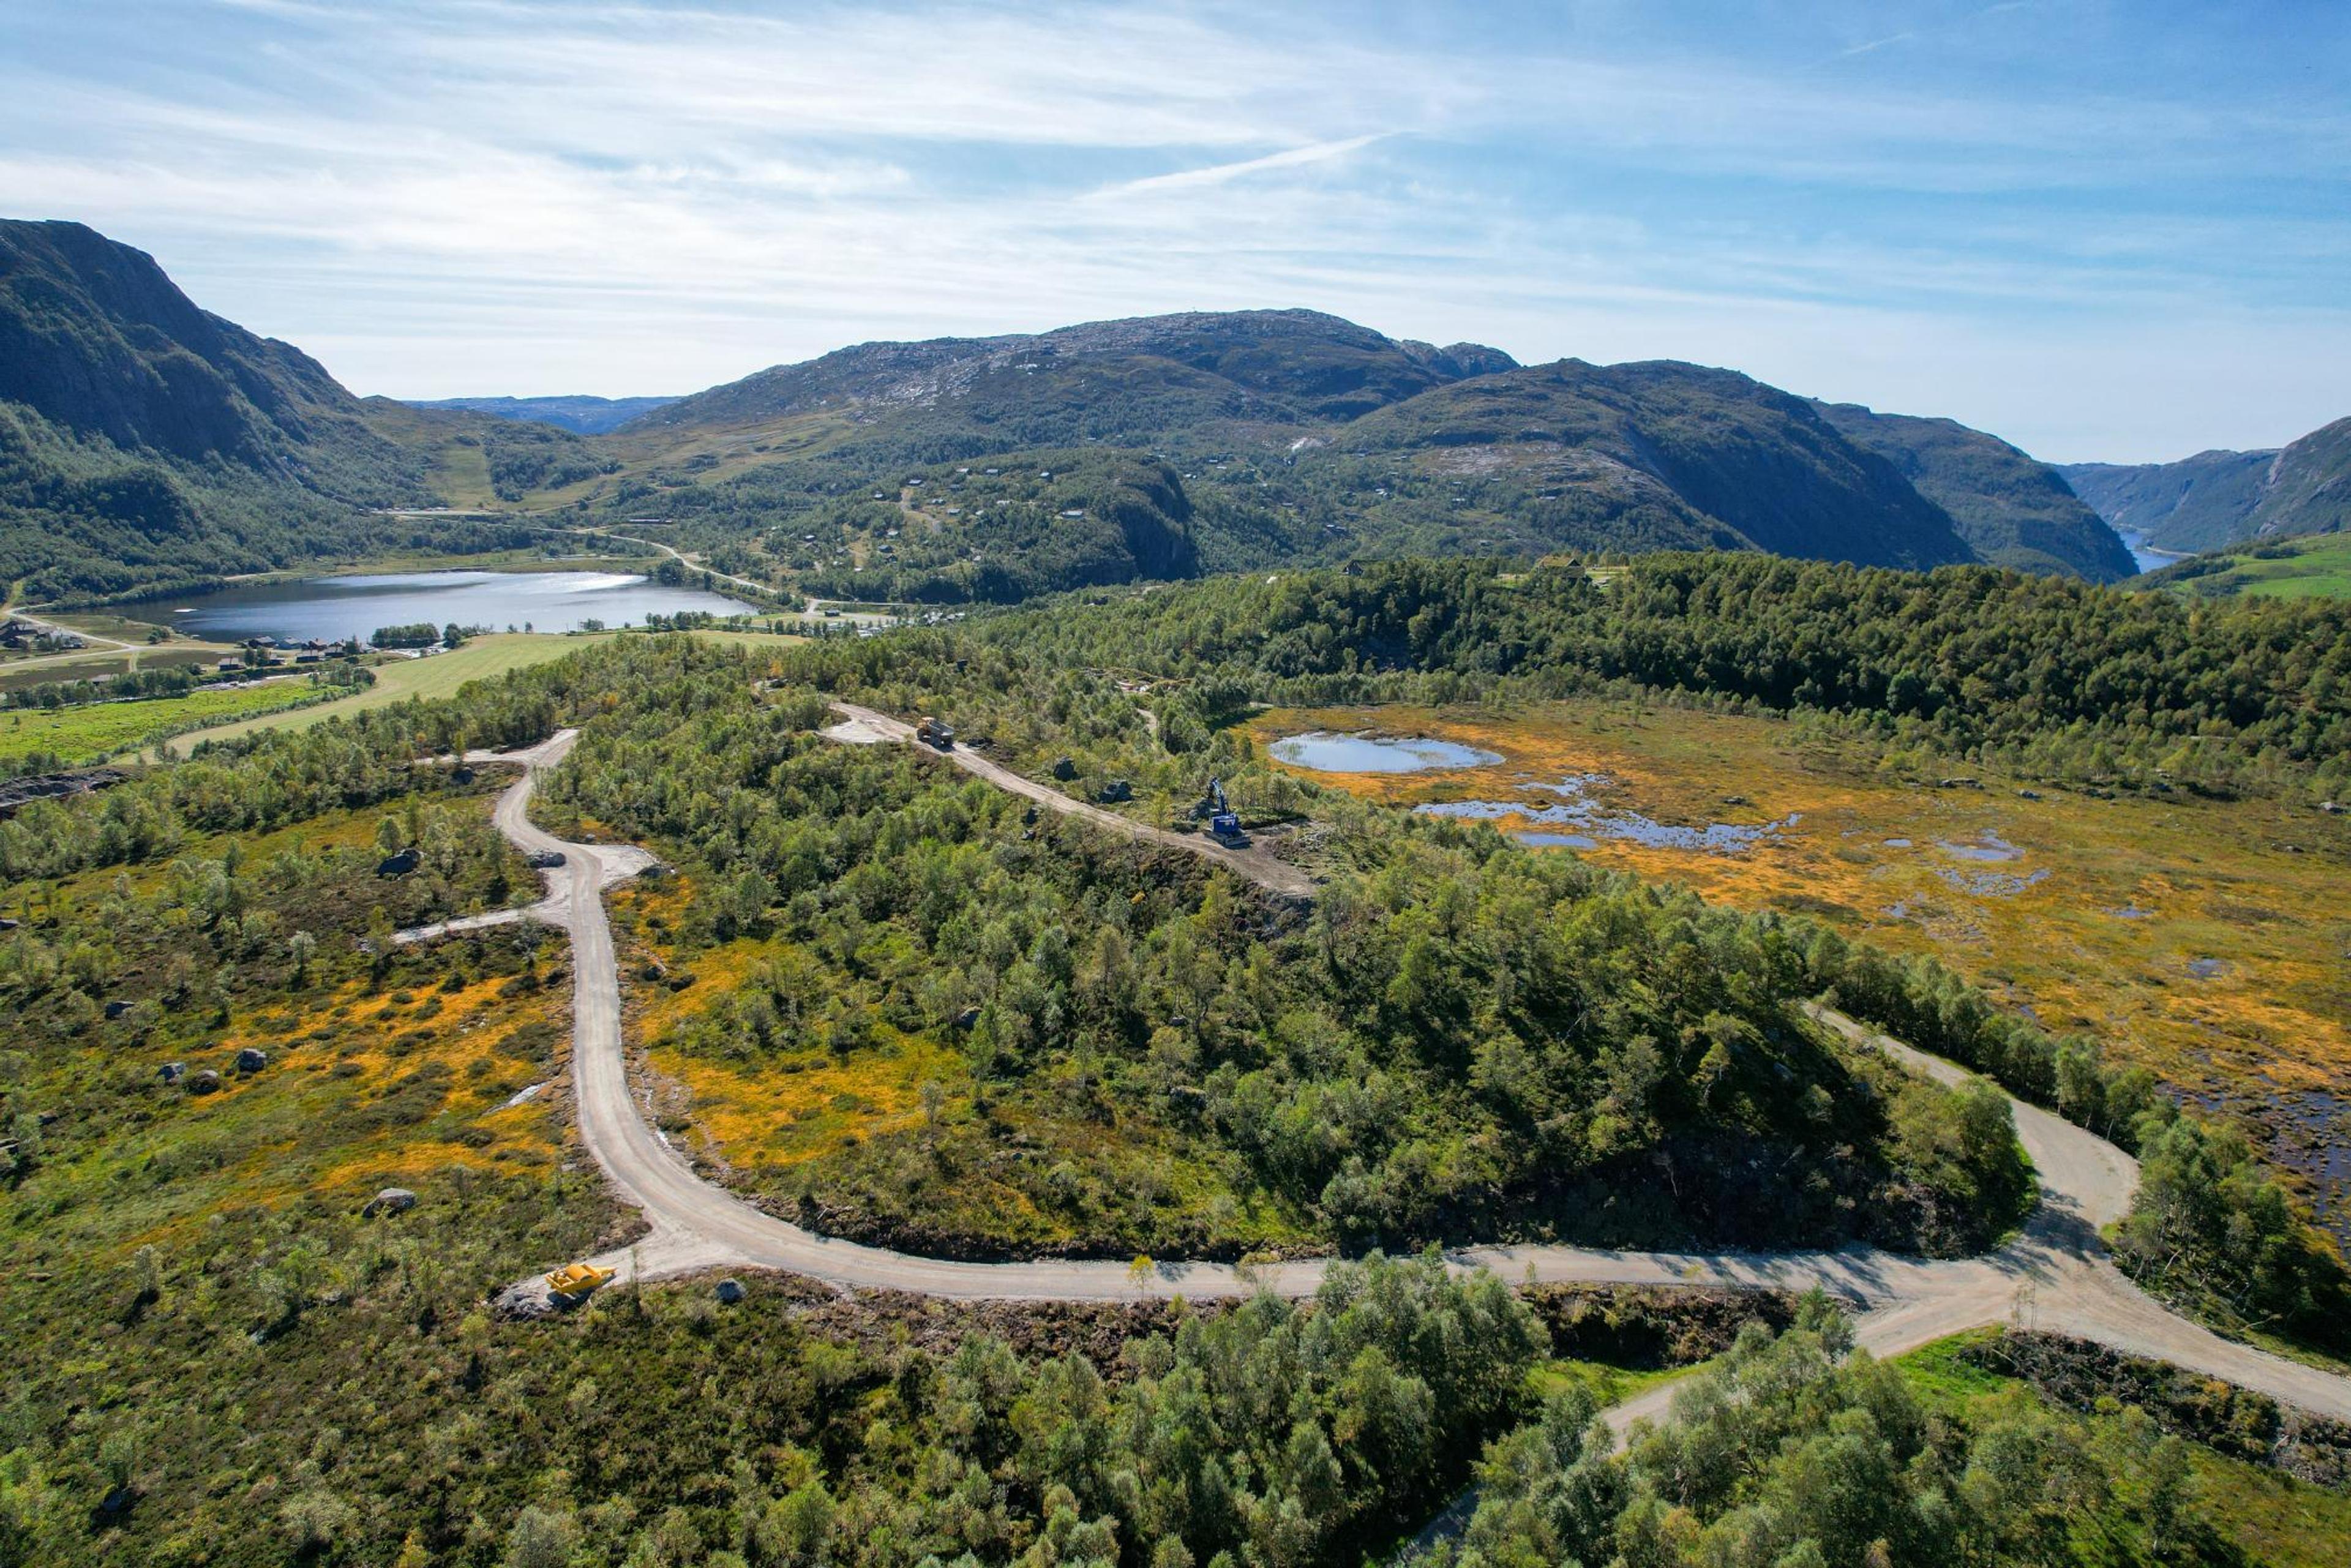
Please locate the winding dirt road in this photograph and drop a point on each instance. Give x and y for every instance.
(2054, 1275)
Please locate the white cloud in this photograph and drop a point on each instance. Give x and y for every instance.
(1225, 174)
(456, 197)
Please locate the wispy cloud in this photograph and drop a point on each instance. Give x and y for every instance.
(1224, 173)
(454, 196)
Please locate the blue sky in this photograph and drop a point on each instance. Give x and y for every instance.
(2102, 230)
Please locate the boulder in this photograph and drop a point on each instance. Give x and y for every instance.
(729, 1291)
(965, 1018)
(251, 1060)
(115, 1009)
(172, 1071)
(390, 1200)
(401, 865)
(1065, 769)
(2028, 794)
(545, 860)
(2331, 807)
(203, 1082)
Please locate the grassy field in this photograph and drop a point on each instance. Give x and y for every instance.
(96, 731)
(398, 680)
(2204, 938)
(2313, 568)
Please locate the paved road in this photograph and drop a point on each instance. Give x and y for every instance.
(2054, 1275)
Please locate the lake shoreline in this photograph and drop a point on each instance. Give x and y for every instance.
(357, 604)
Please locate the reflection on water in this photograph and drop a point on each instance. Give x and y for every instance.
(333, 608)
(1987, 846)
(1327, 753)
(1597, 822)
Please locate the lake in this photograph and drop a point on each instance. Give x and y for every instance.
(333, 608)
(2145, 555)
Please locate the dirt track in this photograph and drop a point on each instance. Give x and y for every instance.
(2054, 1275)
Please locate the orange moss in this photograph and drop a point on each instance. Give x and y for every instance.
(2214, 880)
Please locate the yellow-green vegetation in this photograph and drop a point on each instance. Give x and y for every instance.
(2230, 1508)
(2312, 567)
(441, 675)
(92, 732)
(911, 1010)
(398, 680)
(2200, 937)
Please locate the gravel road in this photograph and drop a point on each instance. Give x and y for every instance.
(2054, 1275)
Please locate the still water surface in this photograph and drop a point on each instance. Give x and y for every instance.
(331, 608)
(1327, 753)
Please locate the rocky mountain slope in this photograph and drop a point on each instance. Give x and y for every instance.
(2218, 498)
(144, 441)
(2011, 510)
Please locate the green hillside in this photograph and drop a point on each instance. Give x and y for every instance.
(2317, 567)
(144, 442)
(1290, 439)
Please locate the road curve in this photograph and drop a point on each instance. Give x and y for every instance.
(1249, 863)
(2053, 1275)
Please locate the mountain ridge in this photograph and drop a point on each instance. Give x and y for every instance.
(2011, 508)
(145, 442)
(2223, 498)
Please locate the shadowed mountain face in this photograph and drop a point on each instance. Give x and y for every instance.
(2218, 499)
(1710, 452)
(2011, 510)
(145, 441)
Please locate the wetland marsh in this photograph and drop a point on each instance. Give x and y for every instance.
(2200, 937)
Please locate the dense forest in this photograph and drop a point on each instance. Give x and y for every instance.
(292, 1376)
(1796, 1450)
(2046, 676)
(1451, 1044)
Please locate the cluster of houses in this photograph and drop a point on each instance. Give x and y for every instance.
(21, 636)
(262, 653)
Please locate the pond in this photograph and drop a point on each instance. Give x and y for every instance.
(1327, 753)
(332, 608)
(1589, 821)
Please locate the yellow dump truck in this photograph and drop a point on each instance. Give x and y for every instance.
(577, 1279)
(936, 732)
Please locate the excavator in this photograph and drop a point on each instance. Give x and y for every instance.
(1224, 823)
